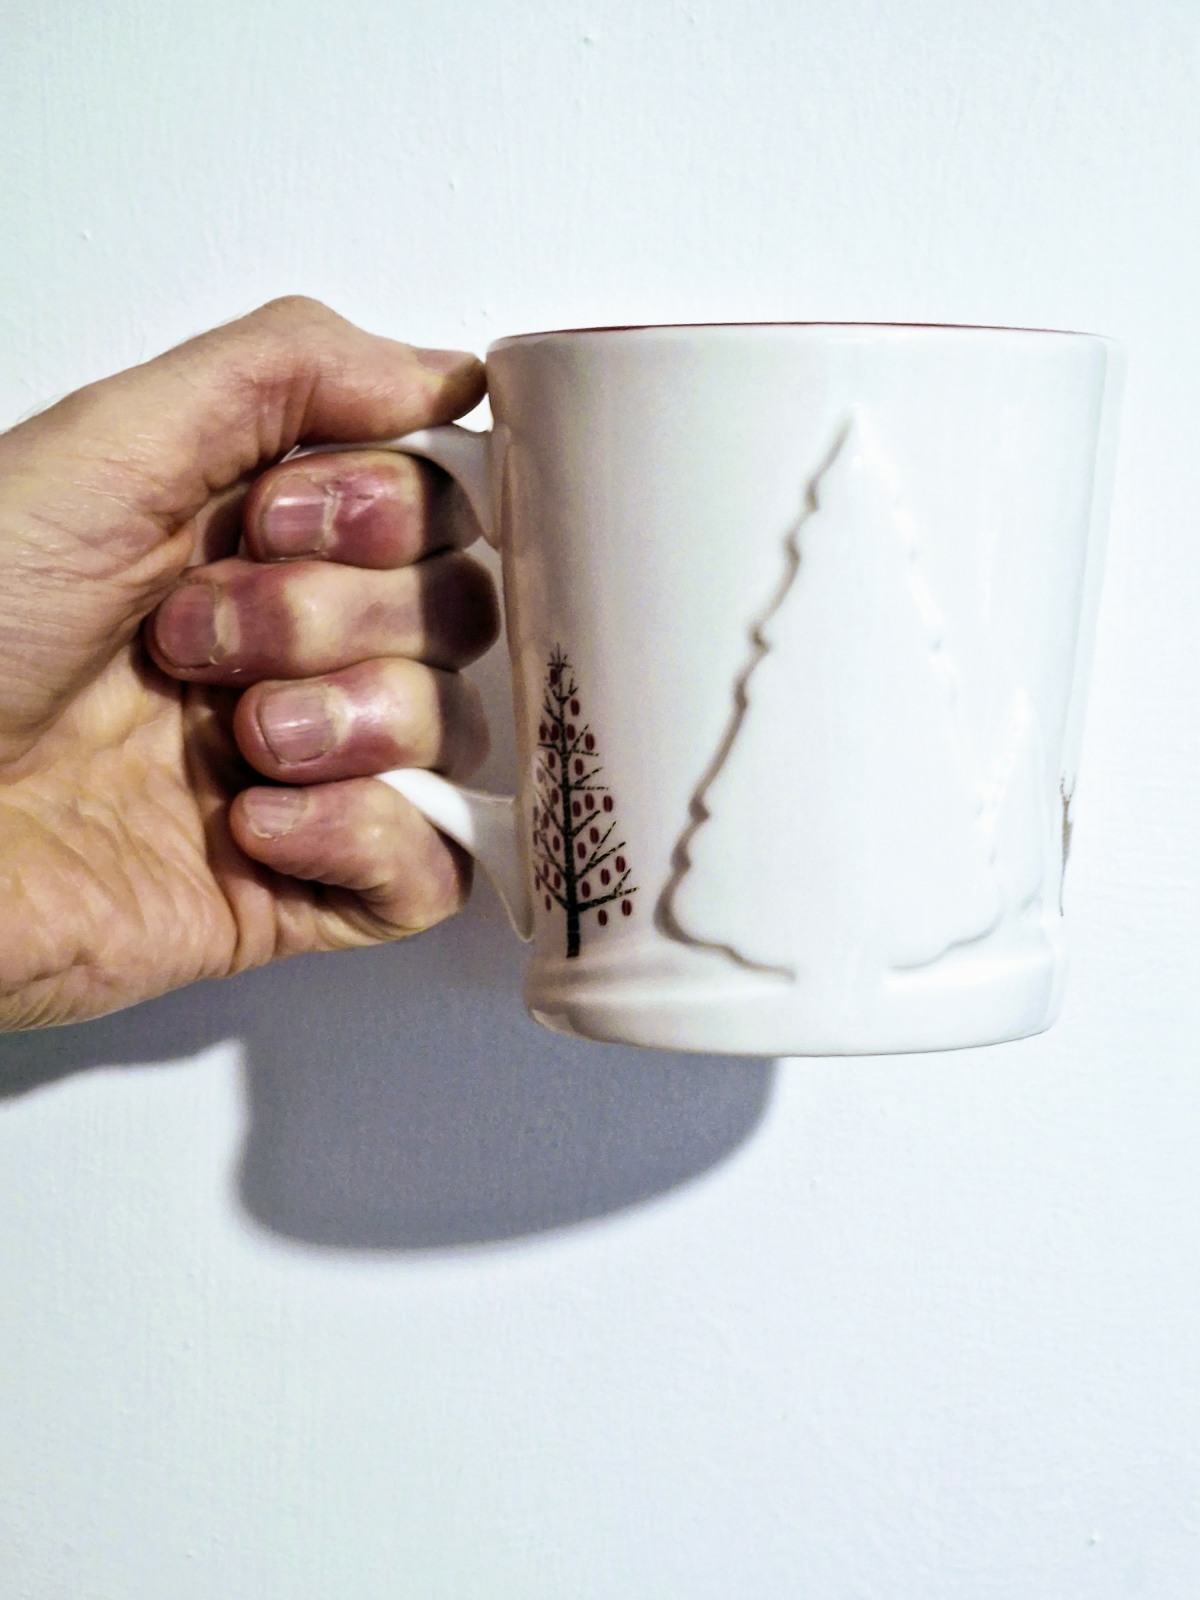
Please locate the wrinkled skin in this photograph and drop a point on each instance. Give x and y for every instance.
(204, 656)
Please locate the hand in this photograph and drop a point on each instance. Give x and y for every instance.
(139, 847)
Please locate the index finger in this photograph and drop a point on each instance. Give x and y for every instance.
(366, 508)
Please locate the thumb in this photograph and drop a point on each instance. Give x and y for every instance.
(158, 441)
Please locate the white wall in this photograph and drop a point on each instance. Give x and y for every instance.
(343, 1279)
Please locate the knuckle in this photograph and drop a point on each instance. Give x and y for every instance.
(295, 310)
(304, 592)
(301, 611)
(375, 836)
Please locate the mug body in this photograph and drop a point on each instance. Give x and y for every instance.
(800, 621)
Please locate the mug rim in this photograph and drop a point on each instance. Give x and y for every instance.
(867, 327)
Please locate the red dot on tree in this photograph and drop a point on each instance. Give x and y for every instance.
(555, 674)
(582, 849)
(589, 741)
(543, 732)
(607, 802)
(551, 758)
(626, 908)
(557, 881)
(620, 863)
(602, 918)
(557, 842)
(594, 835)
(587, 889)
(605, 875)
(578, 767)
(574, 708)
(576, 808)
(570, 730)
(589, 801)
(546, 898)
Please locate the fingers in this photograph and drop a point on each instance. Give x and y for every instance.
(389, 872)
(364, 720)
(236, 622)
(209, 412)
(367, 508)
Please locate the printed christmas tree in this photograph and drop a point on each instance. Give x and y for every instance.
(579, 858)
(844, 780)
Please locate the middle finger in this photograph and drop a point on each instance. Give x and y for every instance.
(237, 621)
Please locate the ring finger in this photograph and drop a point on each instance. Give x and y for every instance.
(361, 721)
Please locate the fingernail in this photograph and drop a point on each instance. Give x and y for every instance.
(446, 362)
(297, 724)
(190, 625)
(298, 521)
(272, 813)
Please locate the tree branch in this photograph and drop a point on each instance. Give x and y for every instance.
(619, 893)
(548, 859)
(605, 837)
(581, 781)
(595, 861)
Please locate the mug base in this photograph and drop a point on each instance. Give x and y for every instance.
(959, 1006)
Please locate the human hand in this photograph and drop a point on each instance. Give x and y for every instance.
(139, 848)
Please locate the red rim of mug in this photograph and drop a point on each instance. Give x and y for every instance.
(900, 327)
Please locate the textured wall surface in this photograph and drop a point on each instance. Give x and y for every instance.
(342, 1279)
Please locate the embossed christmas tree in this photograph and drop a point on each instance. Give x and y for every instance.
(579, 861)
(847, 776)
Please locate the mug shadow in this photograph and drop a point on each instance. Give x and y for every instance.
(399, 1098)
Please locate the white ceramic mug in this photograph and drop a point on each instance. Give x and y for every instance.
(800, 620)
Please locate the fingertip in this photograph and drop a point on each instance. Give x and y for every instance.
(262, 817)
(396, 873)
(459, 379)
(460, 610)
(453, 366)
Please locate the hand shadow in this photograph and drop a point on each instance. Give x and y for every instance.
(400, 1099)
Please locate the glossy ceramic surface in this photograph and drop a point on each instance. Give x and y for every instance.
(800, 620)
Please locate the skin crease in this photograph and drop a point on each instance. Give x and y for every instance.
(151, 833)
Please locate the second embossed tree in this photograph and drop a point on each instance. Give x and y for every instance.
(579, 860)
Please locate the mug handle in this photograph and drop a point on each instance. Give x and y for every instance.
(488, 826)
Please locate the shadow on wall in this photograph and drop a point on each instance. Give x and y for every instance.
(400, 1099)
